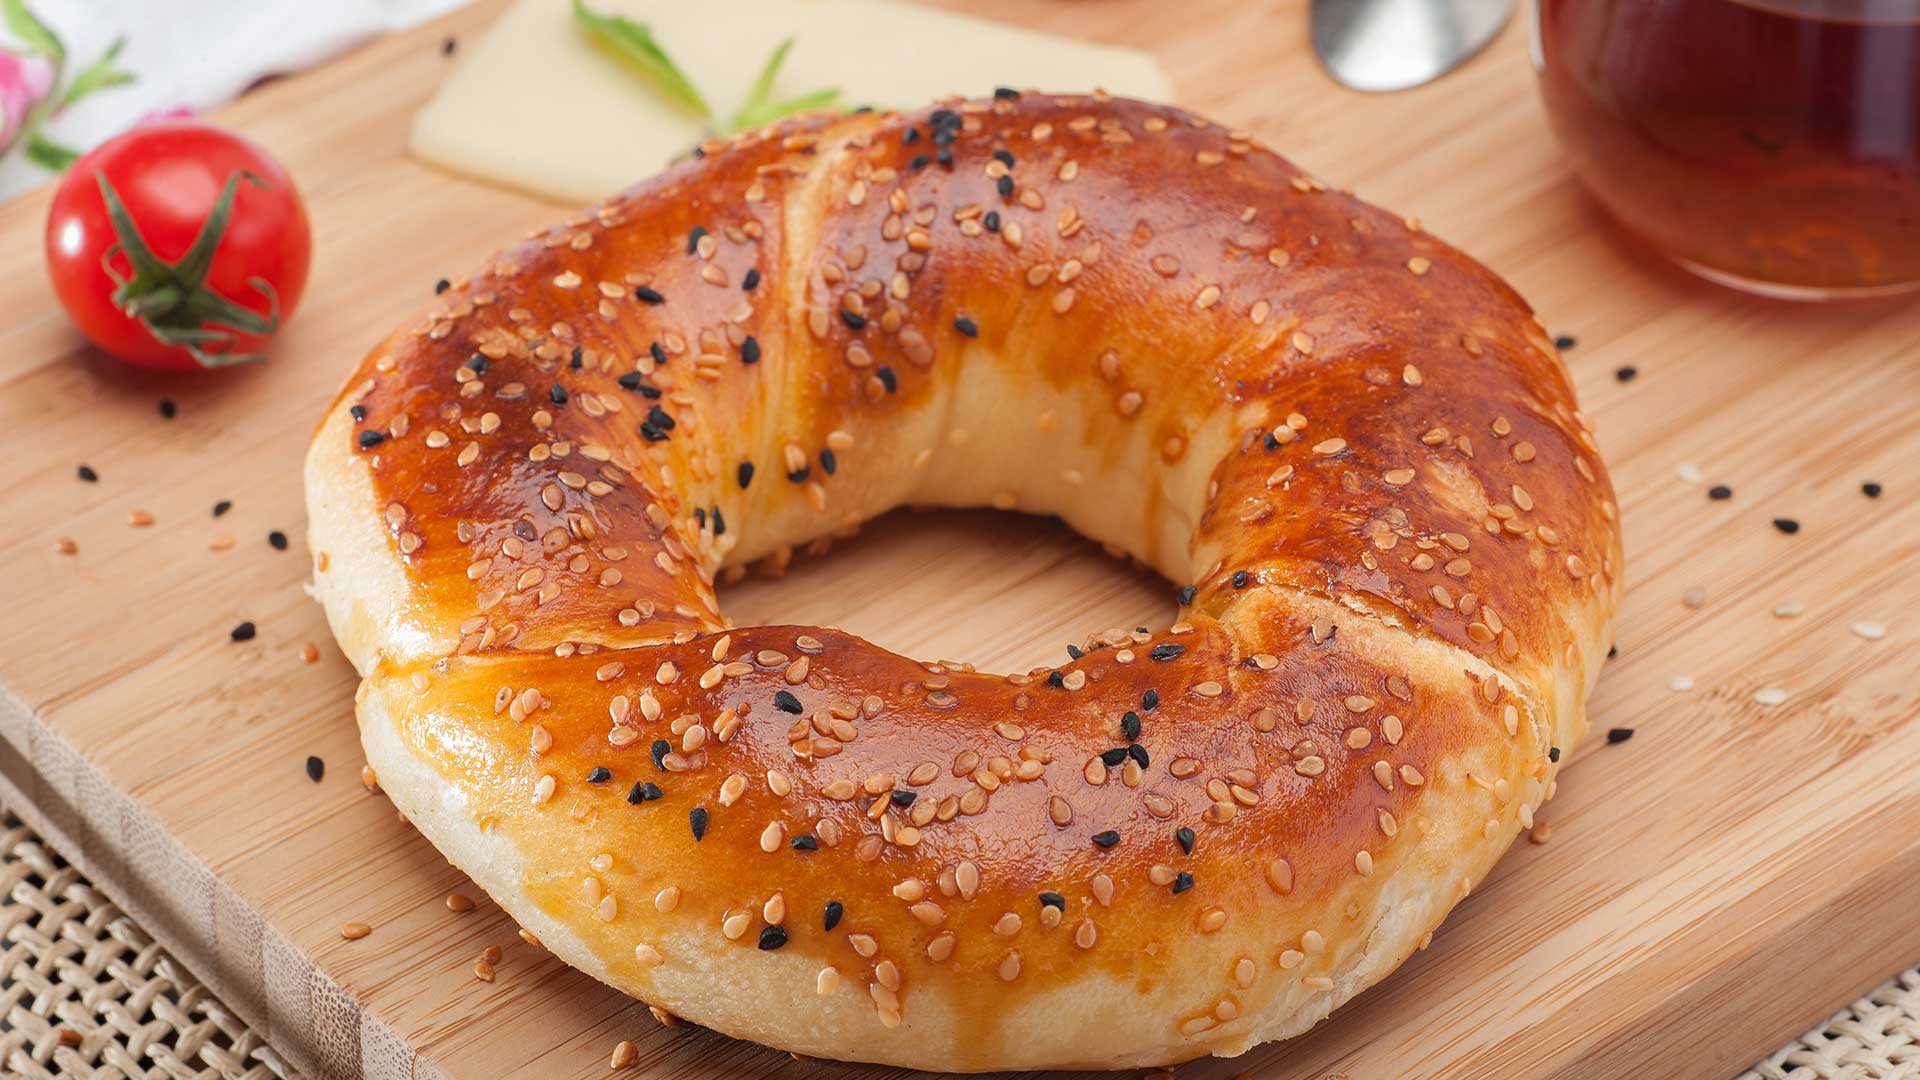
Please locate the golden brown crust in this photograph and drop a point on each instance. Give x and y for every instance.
(1354, 443)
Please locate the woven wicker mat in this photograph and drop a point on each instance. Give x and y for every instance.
(85, 993)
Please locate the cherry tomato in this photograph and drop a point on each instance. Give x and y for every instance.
(178, 245)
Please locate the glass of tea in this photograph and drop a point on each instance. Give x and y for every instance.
(1771, 145)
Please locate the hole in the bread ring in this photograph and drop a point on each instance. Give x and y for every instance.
(1002, 591)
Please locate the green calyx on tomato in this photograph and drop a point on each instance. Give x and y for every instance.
(173, 300)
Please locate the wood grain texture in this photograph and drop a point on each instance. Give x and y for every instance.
(1711, 886)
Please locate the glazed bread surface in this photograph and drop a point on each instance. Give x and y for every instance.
(1352, 449)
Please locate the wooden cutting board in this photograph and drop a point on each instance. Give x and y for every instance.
(1711, 887)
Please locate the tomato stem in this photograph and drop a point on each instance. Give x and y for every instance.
(173, 300)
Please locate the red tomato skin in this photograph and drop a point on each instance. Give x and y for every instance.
(169, 175)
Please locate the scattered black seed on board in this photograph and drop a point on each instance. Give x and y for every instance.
(1130, 726)
(831, 918)
(1056, 680)
(1787, 525)
(600, 774)
(1626, 374)
(222, 507)
(1871, 490)
(805, 842)
(1565, 342)
(168, 410)
(693, 238)
(1240, 579)
(1719, 492)
(853, 319)
(1618, 735)
(828, 463)
(1139, 754)
(648, 295)
(1185, 595)
(750, 350)
(278, 539)
(371, 438)
(772, 937)
(1053, 900)
(316, 768)
(1184, 837)
(358, 412)
(448, 46)
(1150, 701)
(967, 326)
(243, 632)
(1182, 882)
(1613, 651)
(660, 749)
(752, 280)
(697, 818)
(1553, 754)
(1106, 839)
(786, 702)
(887, 378)
(86, 473)
(441, 286)
(1167, 650)
(1112, 758)
(903, 798)
(744, 474)
(558, 395)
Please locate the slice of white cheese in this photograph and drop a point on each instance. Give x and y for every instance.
(538, 106)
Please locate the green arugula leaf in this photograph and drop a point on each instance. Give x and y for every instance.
(34, 34)
(99, 75)
(756, 109)
(633, 44)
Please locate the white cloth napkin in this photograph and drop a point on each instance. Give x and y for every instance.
(184, 55)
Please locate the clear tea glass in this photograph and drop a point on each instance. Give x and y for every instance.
(1771, 145)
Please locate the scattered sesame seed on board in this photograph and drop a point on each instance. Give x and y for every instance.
(1788, 609)
(1770, 696)
(1695, 597)
(1872, 631)
(1688, 472)
(625, 1055)
(1681, 684)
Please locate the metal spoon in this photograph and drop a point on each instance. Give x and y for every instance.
(1382, 45)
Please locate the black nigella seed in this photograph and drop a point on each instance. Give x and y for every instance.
(744, 474)
(651, 296)
(644, 792)
(558, 395)
(697, 818)
(1565, 342)
(1271, 442)
(1871, 490)
(1613, 651)
(786, 702)
(448, 46)
(943, 137)
(358, 412)
(629, 380)
(1184, 837)
(222, 507)
(243, 632)
(661, 748)
(1074, 653)
(1182, 882)
(441, 286)
(1786, 525)
(657, 351)
(835, 909)
(991, 221)
(828, 463)
(752, 280)
(1053, 900)
(1113, 757)
(944, 156)
(315, 768)
(719, 522)
(1106, 839)
(576, 359)
(1167, 650)
(1553, 754)
(86, 473)
(652, 433)
(1185, 595)
(659, 418)
(750, 350)
(912, 136)
(1005, 186)
(1240, 579)
(1139, 754)
(920, 161)
(700, 517)
(278, 539)
(799, 475)
(476, 363)
(1130, 726)
(599, 775)
(967, 326)
(853, 319)
(1006, 93)
(1004, 157)
(1719, 491)
(693, 238)
(943, 117)
(371, 438)
(887, 378)
(1626, 374)
(168, 410)
(1150, 701)
(1618, 735)
(1056, 680)
(805, 842)
(904, 799)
